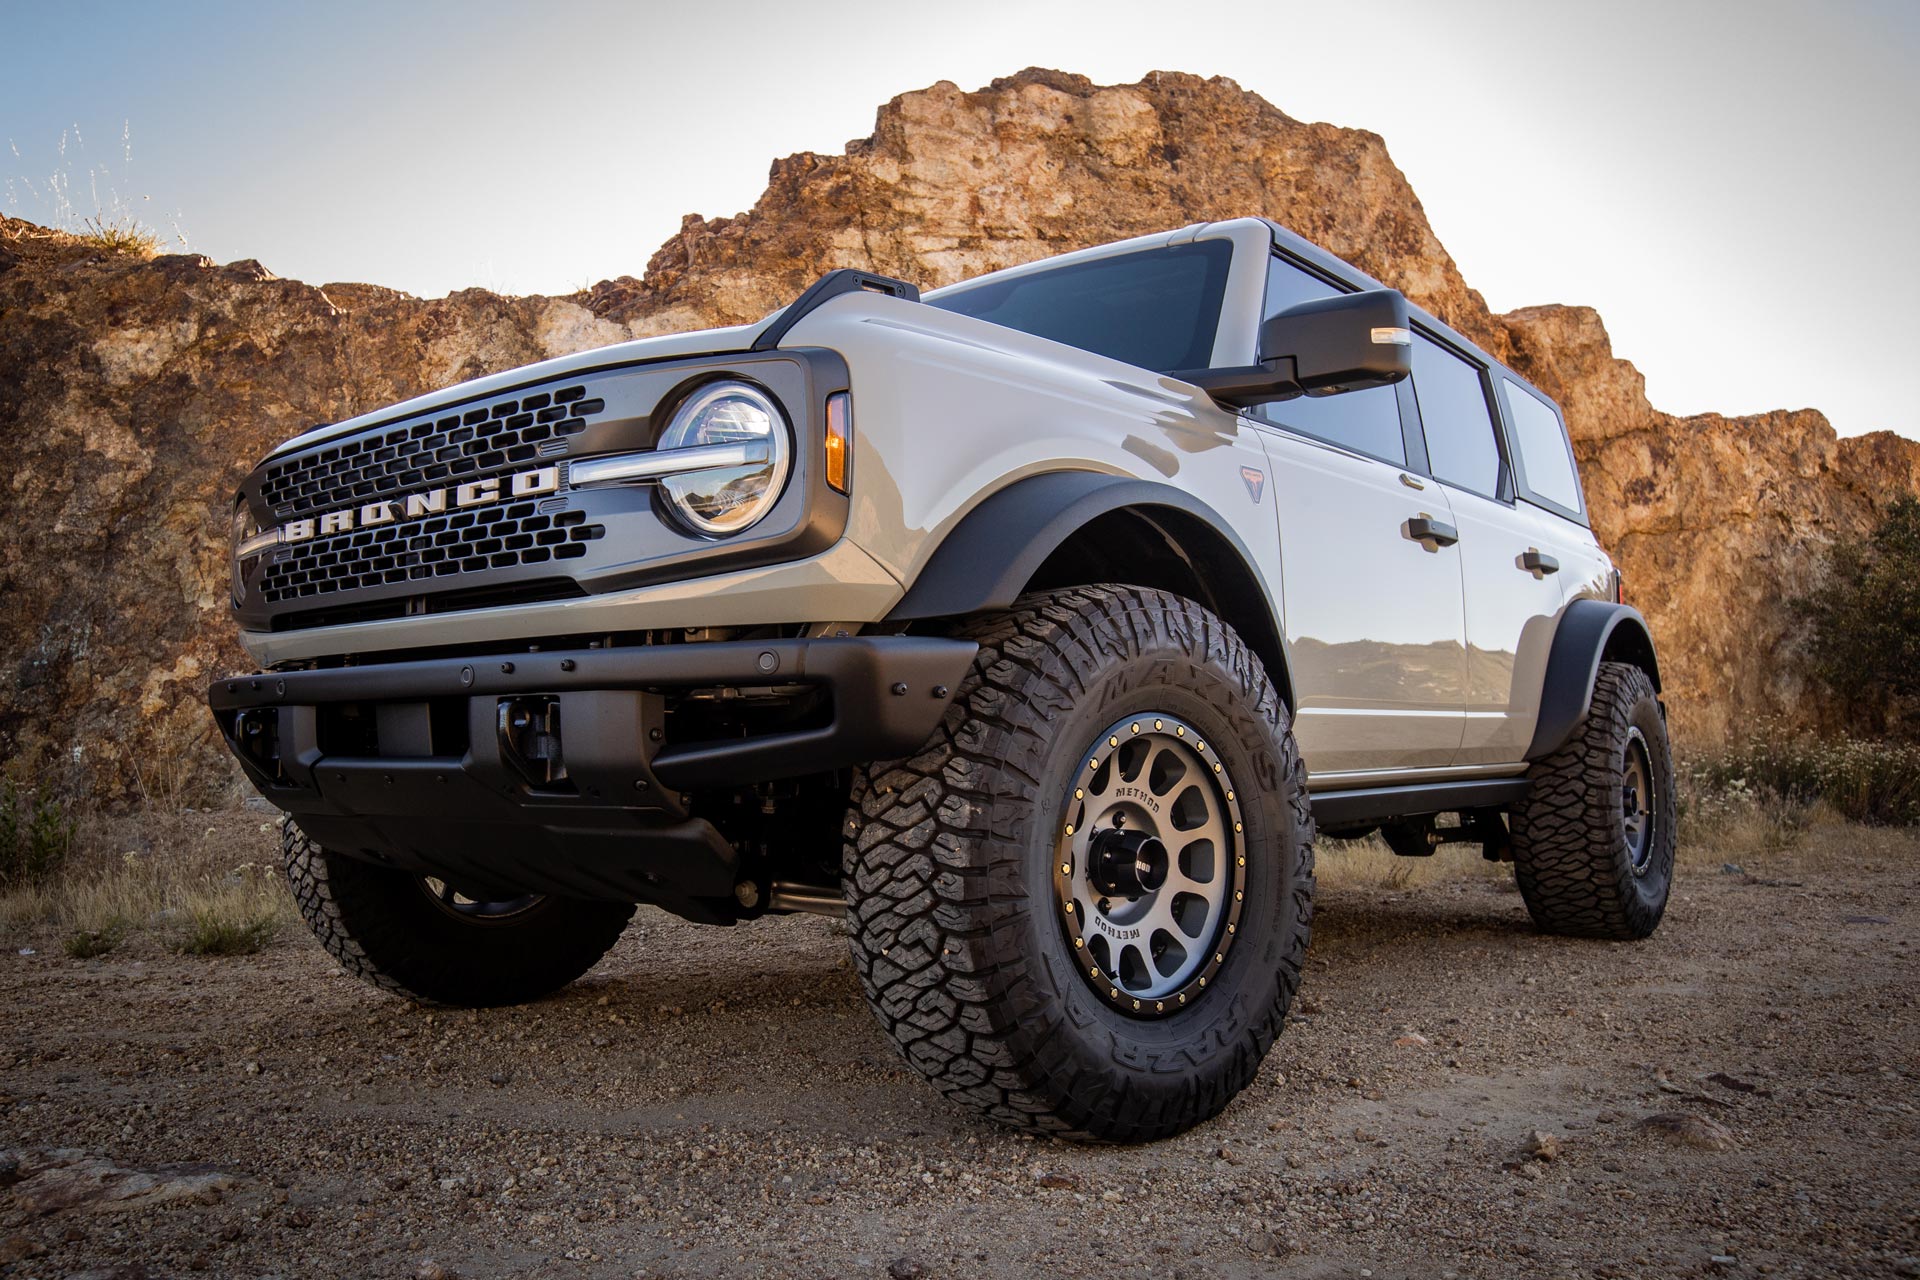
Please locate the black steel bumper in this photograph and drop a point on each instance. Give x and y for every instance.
(407, 763)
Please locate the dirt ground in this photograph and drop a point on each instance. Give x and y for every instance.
(718, 1102)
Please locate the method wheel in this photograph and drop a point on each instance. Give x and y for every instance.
(1593, 843)
(425, 938)
(1084, 906)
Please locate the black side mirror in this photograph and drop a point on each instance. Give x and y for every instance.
(1348, 342)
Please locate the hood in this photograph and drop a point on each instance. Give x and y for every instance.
(664, 347)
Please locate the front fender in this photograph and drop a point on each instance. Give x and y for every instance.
(995, 550)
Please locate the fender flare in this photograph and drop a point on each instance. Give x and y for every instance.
(1588, 632)
(988, 558)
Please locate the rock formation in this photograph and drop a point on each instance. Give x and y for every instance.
(134, 394)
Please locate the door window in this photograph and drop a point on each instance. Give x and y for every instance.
(1461, 449)
(1364, 421)
(1545, 456)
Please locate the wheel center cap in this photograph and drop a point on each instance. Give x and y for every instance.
(1126, 864)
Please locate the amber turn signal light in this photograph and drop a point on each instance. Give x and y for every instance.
(839, 439)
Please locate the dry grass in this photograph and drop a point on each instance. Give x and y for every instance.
(61, 199)
(120, 235)
(1369, 864)
(204, 883)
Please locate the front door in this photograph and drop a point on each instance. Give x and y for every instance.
(1375, 627)
(1374, 622)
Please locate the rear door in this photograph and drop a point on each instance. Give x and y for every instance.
(1372, 607)
(1510, 559)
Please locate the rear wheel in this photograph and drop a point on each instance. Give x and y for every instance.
(1593, 845)
(1084, 907)
(426, 938)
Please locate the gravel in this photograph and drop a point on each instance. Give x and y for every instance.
(1456, 1096)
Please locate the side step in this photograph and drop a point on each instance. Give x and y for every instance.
(1382, 804)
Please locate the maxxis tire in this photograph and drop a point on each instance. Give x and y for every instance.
(384, 928)
(1571, 853)
(956, 932)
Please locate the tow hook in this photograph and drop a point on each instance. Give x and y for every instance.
(530, 739)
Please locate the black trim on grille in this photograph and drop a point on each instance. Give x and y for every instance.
(531, 592)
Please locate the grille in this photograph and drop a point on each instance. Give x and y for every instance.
(492, 537)
(429, 452)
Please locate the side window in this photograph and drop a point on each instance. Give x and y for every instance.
(1365, 421)
(1454, 414)
(1545, 456)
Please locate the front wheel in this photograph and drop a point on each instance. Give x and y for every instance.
(1593, 844)
(424, 938)
(1084, 907)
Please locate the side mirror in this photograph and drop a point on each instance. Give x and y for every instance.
(1348, 342)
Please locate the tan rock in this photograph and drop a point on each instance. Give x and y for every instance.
(1687, 1130)
(134, 394)
(70, 1180)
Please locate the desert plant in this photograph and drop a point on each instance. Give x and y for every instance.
(218, 931)
(60, 199)
(1867, 780)
(121, 235)
(36, 835)
(1863, 623)
(87, 944)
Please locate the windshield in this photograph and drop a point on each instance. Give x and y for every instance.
(1157, 309)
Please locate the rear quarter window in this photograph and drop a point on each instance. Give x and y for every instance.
(1546, 457)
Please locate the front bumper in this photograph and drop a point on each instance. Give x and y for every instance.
(408, 763)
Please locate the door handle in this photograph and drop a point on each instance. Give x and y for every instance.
(1538, 562)
(1427, 529)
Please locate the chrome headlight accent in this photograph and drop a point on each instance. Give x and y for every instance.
(249, 540)
(240, 527)
(722, 461)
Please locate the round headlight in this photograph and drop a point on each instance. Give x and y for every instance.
(725, 500)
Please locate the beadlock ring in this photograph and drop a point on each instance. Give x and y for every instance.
(1173, 800)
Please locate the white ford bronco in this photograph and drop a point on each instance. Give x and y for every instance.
(1033, 625)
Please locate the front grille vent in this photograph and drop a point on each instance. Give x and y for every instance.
(493, 537)
(430, 452)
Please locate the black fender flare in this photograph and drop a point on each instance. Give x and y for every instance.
(988, 558)
(1589, 632)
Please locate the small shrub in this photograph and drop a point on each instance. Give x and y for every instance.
(88, 944)
(1863, 779)
(36, 835)
(1863, 623)
(217, 932)
(120, 235)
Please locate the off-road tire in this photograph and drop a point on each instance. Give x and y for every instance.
(384, 928)
(1571, 854)
(956, 931)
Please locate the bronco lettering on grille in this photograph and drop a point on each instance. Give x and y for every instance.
(474, 493)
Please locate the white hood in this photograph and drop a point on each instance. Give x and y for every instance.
(665, 346)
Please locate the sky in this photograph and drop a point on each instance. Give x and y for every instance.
(1730, 184)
